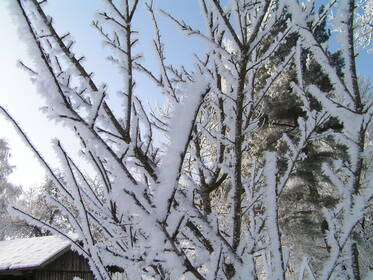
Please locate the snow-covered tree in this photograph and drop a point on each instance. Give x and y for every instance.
(155, 212)
(8, 192)
(300, 214)
(11, 227)
(364, 25)
(35, 201)
(353, 108)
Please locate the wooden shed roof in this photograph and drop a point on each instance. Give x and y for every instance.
(31, 253)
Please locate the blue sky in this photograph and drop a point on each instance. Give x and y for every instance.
(19, 96)
(74, 16)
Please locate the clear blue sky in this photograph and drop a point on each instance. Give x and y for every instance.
(75, 16)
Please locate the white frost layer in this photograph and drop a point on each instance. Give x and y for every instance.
(29, 252)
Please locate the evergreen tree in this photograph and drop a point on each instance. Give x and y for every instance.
(308, 191)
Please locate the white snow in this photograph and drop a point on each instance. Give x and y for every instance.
(30, 252)
(141, 214)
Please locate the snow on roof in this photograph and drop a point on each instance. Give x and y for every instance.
(30, 252)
